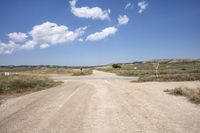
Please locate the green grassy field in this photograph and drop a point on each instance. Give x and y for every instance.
(168, 71)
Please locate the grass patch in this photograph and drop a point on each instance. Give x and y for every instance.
(192, 94)
(46, 71)
(52, 71)
(24, 83)
(171, 77)
(78, 72)
(37, 70)
(168, 71)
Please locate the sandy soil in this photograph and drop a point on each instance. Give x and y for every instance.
(101, 103)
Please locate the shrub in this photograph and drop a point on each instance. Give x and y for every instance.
(183, 69)
(116, 66)
(192, 94)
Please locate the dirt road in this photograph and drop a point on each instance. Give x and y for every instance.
(101, 103)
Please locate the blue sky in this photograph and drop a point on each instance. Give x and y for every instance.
(92, 32)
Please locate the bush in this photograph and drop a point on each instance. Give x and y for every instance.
(183, 69)
(192, 94)
(116, 66)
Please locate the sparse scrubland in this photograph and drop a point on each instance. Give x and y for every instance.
(167, 71)
(78, 72)
(47, 70)
(30, 79)
(192, 94)
(171, 77)
(24, 83)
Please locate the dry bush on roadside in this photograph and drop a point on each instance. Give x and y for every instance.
(24, 83)
(192, 94)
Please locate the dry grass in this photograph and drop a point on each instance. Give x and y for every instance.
(171, 77)
(24, 83)
(178, 71)
(47, 71)
(77, 72)
(192, 94)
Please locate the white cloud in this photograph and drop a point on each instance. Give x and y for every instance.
(30, 44)
(52, 34)
(7, 48)
(43, 36)
(17, 36)
(103, 34)
(128, 5)
(122, 20)
(88, 12)
(142, 6)
(80, 40)
(43, 46)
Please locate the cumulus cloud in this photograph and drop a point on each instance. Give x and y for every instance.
(89, 12)
(43, 36)
(122, 20)
(53, 34)
(7, 48)
(142, 6)
(17, 36)
(103, 34)
(128, 5)
(30, 44)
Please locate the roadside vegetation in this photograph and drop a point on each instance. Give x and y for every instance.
(167, 71)
(193, 95)
(16, 81)
(46, 70)
(78, 72)
(171, 77)
(24, 83)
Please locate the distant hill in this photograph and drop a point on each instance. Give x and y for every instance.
(104, 65)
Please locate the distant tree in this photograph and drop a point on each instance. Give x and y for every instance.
(116, 66)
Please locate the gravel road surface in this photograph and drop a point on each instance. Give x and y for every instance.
(101, 103)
